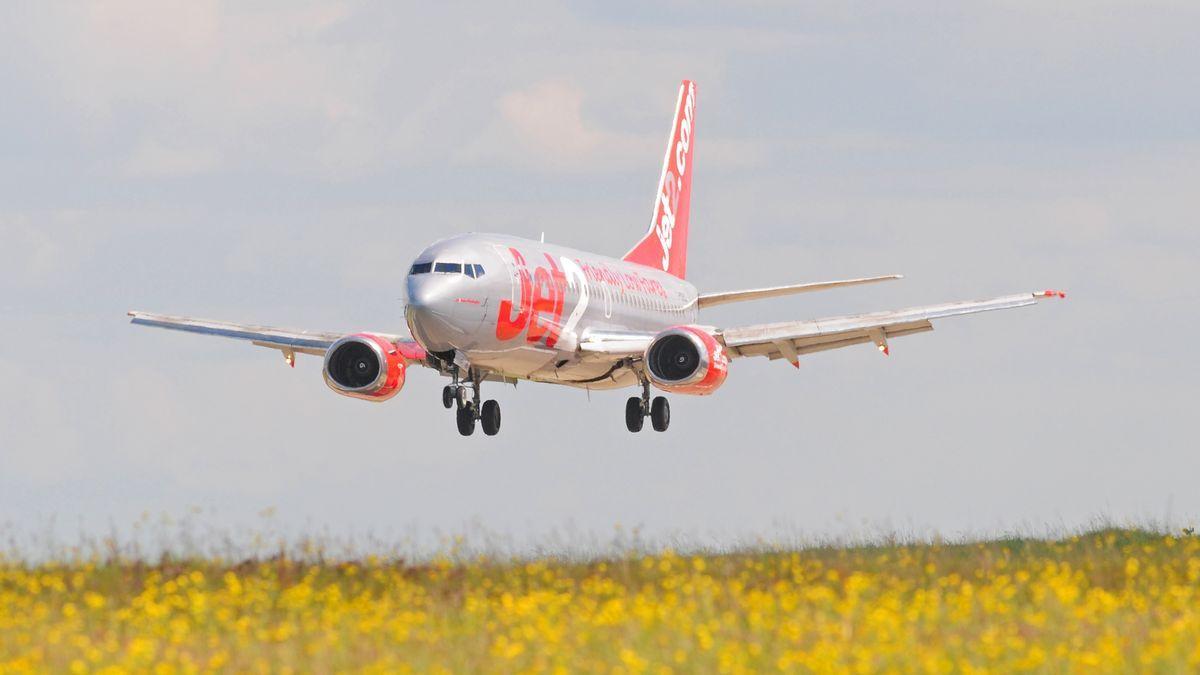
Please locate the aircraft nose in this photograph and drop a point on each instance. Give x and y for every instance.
(429, 311)
(426, 295)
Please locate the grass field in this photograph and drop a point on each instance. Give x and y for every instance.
(1111, 600)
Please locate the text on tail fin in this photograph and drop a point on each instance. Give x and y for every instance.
(665, 244)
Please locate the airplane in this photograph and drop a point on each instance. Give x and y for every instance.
(497, 308)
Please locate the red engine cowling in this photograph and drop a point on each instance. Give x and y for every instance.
(686, 360)
(364, 366)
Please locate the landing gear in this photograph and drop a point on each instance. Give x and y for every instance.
(466, 421)
(660, 414)
(469, 406)
(637, 409)
(633, 414)
(489, 417)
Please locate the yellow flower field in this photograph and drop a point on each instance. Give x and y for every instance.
(1109, 601)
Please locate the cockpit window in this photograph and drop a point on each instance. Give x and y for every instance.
(473, 270)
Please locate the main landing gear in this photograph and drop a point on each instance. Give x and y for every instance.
(466, 398)
(637, 409)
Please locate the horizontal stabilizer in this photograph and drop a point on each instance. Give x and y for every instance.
(712, 299)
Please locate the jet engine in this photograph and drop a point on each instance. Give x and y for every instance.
(364, 366)
(686, 360)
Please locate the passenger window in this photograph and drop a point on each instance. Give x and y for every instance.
(448, 268)
(421, 268)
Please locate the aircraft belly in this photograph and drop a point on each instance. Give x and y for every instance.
(587, 375)
(515, 361)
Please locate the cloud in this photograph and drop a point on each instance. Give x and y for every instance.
(44, 247)
(542, 126)
(153, 159)
(550, 117)
(40, 437)
(174, 88)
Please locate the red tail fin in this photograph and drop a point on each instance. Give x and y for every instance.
(665, 245)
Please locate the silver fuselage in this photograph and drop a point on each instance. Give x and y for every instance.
(525, 315)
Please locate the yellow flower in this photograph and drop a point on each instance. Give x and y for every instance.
(1122, 601)
(1131, 567)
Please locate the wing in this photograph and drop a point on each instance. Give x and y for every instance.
(287, 340)
(790, 339)
(711, 299)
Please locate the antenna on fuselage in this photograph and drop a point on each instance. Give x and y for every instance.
(543, 237)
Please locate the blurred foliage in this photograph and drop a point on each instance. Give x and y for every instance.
(1111, 600)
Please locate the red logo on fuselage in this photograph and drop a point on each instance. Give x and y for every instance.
(541, 304)
(539, 312)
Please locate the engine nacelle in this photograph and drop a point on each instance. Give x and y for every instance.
(364, 366)
(686, 360)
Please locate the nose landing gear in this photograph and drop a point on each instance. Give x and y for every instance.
(469, 408)
(639, 408)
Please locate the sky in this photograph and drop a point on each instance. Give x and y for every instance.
(283, 162)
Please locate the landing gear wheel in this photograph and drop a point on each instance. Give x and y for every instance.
(660, 414)
(463, 396)
(489, 417)
(633, 414)
(448, 397)
(465, 416)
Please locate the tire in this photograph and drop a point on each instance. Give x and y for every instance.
(660, 414)
(466, 420)
(633, 414)
(490, 418)
(448, 397)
